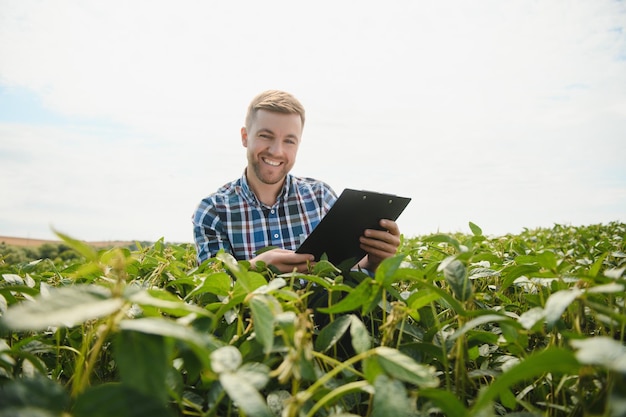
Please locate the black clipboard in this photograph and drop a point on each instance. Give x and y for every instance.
(337, 235)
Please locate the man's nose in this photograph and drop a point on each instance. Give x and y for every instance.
(276, 147)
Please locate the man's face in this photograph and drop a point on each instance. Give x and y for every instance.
(272, 142)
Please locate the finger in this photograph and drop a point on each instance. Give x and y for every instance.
(371, 245)
(292, 258)
(378, 255)
(303, 258)
(302, 267)
(382, 236)
(391, 226)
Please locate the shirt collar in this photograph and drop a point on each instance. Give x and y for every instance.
(250, 196)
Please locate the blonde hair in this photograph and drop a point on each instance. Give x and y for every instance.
(275, 101)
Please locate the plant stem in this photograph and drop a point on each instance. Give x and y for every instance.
(444, 356)
(304, 396)
(459, 367)
(335, 363)
(83, 381)
(401, 332)
(342, 390)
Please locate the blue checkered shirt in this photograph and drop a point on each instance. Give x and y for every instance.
(233, 218)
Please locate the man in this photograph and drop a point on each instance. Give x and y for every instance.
(268, 206)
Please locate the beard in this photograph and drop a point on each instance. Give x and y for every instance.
(269, 175)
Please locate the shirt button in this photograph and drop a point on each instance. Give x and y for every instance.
(276, 235)
(272, 211)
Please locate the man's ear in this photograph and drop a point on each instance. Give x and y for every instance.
(244, 137)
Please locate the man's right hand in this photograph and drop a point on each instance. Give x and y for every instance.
(285, 260)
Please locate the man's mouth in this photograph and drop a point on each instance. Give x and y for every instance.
(271, 162)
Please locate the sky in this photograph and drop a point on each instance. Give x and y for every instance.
(118, 117)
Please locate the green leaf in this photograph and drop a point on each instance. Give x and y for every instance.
(455, 274)
(263, 318)
(447, 297)
(8, 291)
(361, 340)
(323, 268)
(331, 334)
(257, 374)
(597, 265)
(320, 281)
(603, 351)
(247, 282)
(508, 399)
(387, 268)
(421, 299)
(447, 401)
(372, 369)
(509, 275)
(272, 286)
(63, 307)
(81, 247)
(165, 302)
(355, 299)
(545, 259)
(614, 273)
(115, 399)
(245, 395)
(479, 273)
(487, 318)
(142, 361)
(276, 401)
(218, 283)
(201, 343)
(228, 260)
(423, 350)
(609, 288)
(403, 367)
(555, 360)
(477, 231)
(444, 239)
(117, 257)
(558, 302)
(374, 300)
(390, 398)
(286, 322)
(38, 392)
(226, 359)
(608, 311)
(13, 279)
(530, 318)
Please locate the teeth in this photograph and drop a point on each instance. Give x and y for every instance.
(270, 162)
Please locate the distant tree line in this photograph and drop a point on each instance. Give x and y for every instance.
(56, 252)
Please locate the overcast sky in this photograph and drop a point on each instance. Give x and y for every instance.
(118, 117)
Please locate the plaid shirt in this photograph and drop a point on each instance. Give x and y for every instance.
(233, 218)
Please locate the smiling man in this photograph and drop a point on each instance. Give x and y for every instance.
(268, 206)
